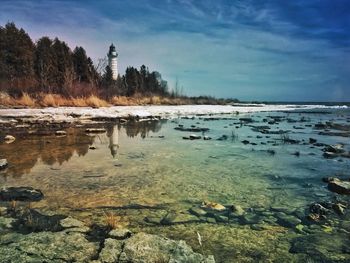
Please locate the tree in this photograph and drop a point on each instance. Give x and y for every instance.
(17, 57)
(81, 65)
(44, 63)
(63, 67)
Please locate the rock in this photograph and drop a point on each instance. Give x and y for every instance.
(27, 194)
(197, 211)
(92, 147)
(246, 120)
(6, 223)
(120, 233)
(339, 208)
(245, 142)
(206, 138)
(319, 209)
(61, 133)
(111, 251)
(283, 209)
(73, 225)
(213, 206)
(153, 220)
(46, 247)
(95, 130)
(312, 140)
(330, 155)
(287, 220)
(339, 187)
(194, 137)
(337, 148)
(143, 247)
(3, 164)
(9, 139)
(251, 219)
(223, 138)
(237, 210)
(178, 218)
(323, 247)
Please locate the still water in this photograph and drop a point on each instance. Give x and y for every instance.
(147, 175)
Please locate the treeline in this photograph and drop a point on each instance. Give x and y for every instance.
(50, 66)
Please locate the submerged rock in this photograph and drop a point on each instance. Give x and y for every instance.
(213, 206)
(323, 247)
(27, 194)
(339, 187)
(3, 164)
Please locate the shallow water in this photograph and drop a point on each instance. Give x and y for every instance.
(145, 169)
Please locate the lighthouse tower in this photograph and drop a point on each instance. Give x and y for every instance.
(112, 61)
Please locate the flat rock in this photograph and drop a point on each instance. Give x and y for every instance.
(27, 194)
(9, 139)
(287, 220)
(197, 211)
(143, 247)
(111, 251)
(46, 247)
(3, 164)
(323, 247)
(339, 187)
(120, 233)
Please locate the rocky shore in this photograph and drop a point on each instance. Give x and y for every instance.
(70, 240)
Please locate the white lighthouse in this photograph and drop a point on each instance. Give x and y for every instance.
(112, 61)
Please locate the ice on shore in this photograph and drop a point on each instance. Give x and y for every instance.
(69, 113)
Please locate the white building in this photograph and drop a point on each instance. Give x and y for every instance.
(112, 61)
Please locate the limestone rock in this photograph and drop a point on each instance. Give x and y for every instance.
(46, 247)
(151, 248)
(121, 233)
(3, 164)
(111, 251)
(28, 194)
(340, 187)
(9, 139)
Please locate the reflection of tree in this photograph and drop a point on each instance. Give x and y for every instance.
(134, 128)
(23, 154)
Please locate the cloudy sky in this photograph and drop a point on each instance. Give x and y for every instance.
(252, 50)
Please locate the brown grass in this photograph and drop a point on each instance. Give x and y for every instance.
(96, 102)
(56, 100)
(112, 220)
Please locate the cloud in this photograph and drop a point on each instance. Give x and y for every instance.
(267, 50)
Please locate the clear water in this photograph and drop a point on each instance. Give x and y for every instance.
(135, 173)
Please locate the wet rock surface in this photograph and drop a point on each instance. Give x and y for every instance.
(3, 164)
(27, 194)
(71, 244)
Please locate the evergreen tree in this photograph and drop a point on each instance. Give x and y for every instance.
(43, 63)
(63, 67)
(17, 57)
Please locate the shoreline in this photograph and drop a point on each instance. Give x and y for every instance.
(72, 114)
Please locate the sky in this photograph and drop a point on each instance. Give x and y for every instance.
(267, 50)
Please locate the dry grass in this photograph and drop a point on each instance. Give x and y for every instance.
(56, 100)
(112, 220)
(95, 102)
(26, 100)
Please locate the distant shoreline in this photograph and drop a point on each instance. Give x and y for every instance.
(76, 114)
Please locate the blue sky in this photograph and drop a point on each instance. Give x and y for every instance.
(253, 50)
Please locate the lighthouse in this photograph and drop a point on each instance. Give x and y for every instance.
(112, 61)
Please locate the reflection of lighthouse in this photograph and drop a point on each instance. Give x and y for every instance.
(112, 61)
(113, 141)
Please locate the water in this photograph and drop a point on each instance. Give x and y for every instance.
(143, 171)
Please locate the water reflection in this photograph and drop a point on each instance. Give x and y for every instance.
(24, 153)
(143, 128)
(27, 150)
